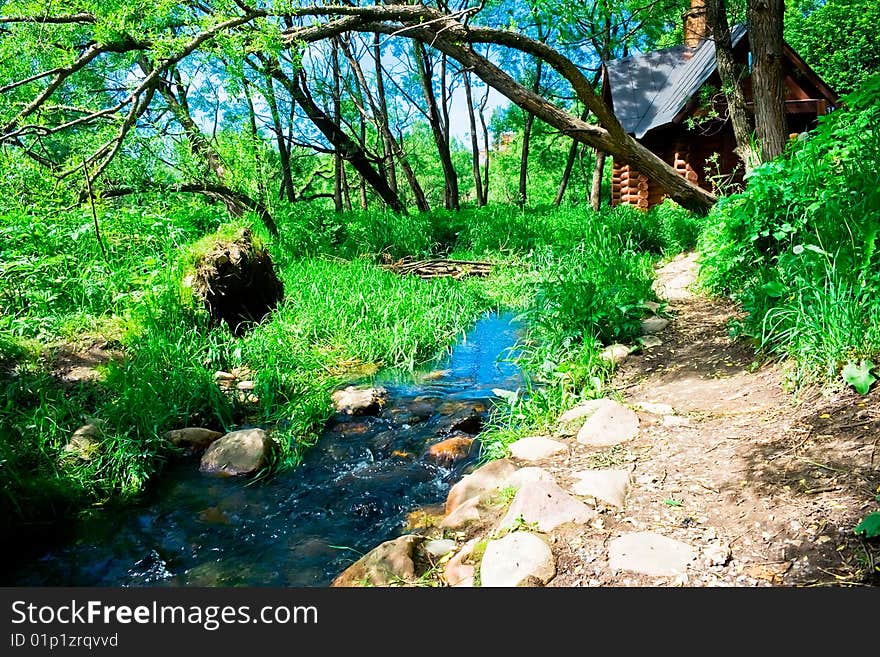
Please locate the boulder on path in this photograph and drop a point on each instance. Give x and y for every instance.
(359, 401)
(545, 506)
(479, 483)
(654, 324)
(610, 424)
(388, 564)
(529, 475)
(518, 559)
(649, 554)
(237, 453)
(610, 486)
(615, 353)
(568, 421)
(192, 439)
(535, 448)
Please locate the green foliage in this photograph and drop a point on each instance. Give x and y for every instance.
(838, 39)
(798, 247)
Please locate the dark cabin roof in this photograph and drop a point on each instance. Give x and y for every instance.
(649, 90)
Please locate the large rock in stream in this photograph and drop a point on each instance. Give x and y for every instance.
(359, 401)
(237, 453)
(391, 563)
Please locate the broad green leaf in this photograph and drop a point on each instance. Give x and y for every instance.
(859, 376)
(773, 289)
(869, 526)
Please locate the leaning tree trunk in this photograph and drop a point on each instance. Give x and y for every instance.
(765, 36)
(347, 147)
(436, 122)
(387, 138)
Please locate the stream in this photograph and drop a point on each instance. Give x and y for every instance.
(300, 528)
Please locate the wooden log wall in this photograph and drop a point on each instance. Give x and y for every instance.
(629, 186)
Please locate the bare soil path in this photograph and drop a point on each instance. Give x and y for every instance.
(765, 485)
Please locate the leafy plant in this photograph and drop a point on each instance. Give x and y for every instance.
(859, 376)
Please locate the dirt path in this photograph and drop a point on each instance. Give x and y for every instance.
(764, 486)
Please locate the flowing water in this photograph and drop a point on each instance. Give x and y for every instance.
(299, 528)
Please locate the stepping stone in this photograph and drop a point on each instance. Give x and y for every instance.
(675, 421)
(237, 453)
(579, 411)
(518, 559)
(545, 506)
(654, 324)
(529, 475)
(649, 554)
(650, 341)
(535, 448)
(655, 408)
(610, 486)
(481, 481)
(615, 353)
(610, 424)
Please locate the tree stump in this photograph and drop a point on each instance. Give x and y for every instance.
(237, 282)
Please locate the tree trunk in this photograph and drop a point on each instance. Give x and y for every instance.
(527, 138)
(387, 138)
(338, 173)
(286, 190)
(346, 147)
(732, 75)
(765, 37)
(569, 165)
(475, 146)
(436, 122)
(596, 187)
(237, 203)
(485, 129)
(380, 115)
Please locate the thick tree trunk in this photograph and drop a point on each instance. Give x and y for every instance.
(732, 74)
(765, 35)
(475, 145)
(436, 122)
(596, 187)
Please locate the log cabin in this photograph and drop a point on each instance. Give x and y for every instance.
(671, 101)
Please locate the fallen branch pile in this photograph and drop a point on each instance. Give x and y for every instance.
(439, 268)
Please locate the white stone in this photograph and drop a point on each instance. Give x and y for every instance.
(654, 408)
(545, 506)
(515, 559)
(439, 547)
(535, 448)
(654, 324)
(615, 353)
(650, 341)
(649, 554)
(610, 486)
(610, 424)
